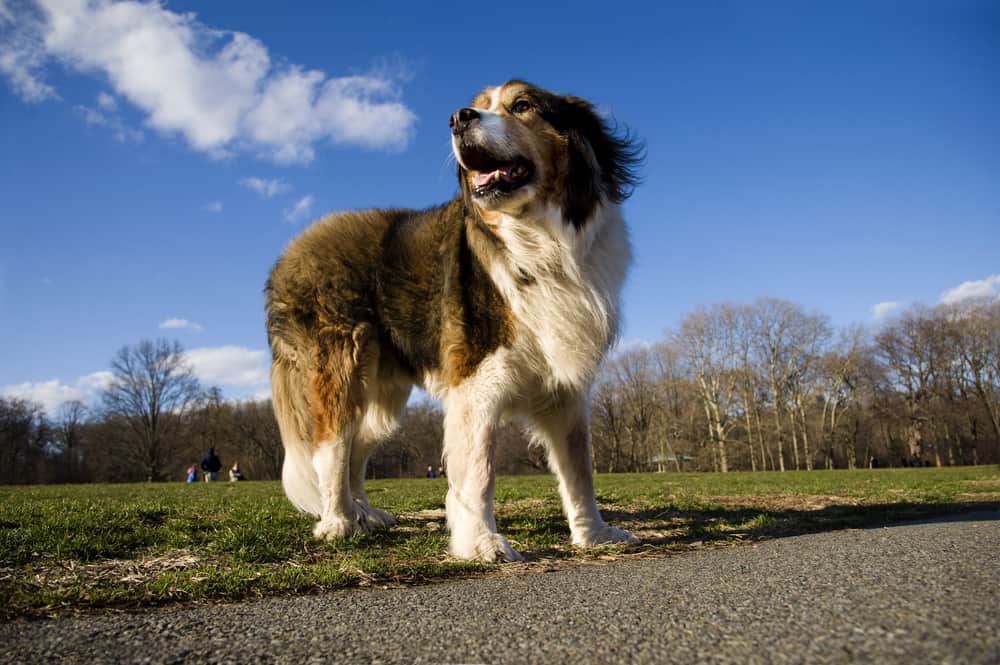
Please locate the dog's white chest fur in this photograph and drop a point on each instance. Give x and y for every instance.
(562, 285)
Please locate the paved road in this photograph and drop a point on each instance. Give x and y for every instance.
(915, 593)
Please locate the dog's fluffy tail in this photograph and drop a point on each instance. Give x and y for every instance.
(292, 412)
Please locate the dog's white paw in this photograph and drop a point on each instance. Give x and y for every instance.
(373, 518)
(605, 535)
(488, 547)
(337, 526)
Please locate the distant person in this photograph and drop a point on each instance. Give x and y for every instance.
(441, 473)
(430, 471)
(873, 463)
(235, 473)
(211, 465)
(192, 474)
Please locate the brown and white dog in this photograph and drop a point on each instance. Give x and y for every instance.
(502, 303)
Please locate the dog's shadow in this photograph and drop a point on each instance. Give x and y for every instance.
(674, 528)
(543, 534)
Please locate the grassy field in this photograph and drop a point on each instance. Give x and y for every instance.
(73, 547)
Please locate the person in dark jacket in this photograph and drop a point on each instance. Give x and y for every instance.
(211, 465)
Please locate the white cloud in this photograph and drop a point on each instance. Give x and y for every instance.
(982, 288)
(180, 324)
(883, 308)
(50, 394)
(96, 380)
(218, 89)
(241, 371)
(229, 365)
(213, 206)
(53, 393)
(22, 53)
(266, 188)
(301, 210)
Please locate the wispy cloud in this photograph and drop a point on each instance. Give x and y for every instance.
(53, 393)
(882, 309)
(266, 188)
(301, 210)
(106, 102)
(633, 343)
(106, 115)
(181, 324)
(218, 89)
(229, 365)
(982, 288)
(213, 206)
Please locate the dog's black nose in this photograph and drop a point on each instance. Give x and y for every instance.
(461, 119)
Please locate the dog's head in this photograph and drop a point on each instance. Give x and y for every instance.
(518, 145)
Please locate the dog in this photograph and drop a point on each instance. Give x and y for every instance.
(502, 303)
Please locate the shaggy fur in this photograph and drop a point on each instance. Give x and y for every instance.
(501, 302)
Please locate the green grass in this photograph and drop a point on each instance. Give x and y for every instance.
(72, 547)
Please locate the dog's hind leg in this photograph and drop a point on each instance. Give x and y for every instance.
(339, 517)
(387, 395)
(565, 433)
(336, 400)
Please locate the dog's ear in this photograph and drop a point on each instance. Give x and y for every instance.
(601, 163)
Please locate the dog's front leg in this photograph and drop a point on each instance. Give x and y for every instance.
(468, 452)
(566, 434)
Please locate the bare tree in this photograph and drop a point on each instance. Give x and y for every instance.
(634, 370)
(976, 334)
(748, 380)
(152, 391)
(674, 400)
(904, 348)
(23, 436)
(788, 342)
(259, 437)
(608, 428)
(707, 340)
(68, 430)
(809, 335)
(840, 369)
(413, 446)
(770, 328)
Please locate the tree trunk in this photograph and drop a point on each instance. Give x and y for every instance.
(765, 453)
(795, 440)
(753, 459)
(805, 437)
(779, 436)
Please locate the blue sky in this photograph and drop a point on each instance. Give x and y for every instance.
(156, 158)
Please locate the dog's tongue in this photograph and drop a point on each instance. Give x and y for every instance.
(483, 179)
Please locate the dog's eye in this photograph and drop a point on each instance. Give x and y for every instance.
(521, 106)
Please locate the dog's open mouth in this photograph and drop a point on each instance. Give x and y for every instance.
(491, 176)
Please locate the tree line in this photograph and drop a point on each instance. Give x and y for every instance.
(150, 423)
(763, 386)
(770, 386)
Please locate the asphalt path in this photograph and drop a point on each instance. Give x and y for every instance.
(916, 593)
